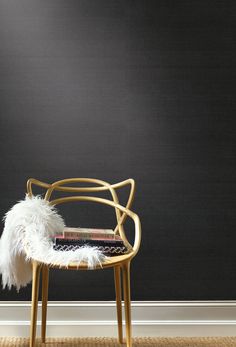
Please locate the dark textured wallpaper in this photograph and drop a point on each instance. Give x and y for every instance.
(118, 89)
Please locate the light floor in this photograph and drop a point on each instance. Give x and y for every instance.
(137, 342)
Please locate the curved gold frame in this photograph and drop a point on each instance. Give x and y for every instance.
(119, 263)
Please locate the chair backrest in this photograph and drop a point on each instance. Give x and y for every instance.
(100, 186)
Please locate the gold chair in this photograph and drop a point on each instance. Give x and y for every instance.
(119, 263)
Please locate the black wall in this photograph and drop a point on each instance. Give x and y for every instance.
(118, 89)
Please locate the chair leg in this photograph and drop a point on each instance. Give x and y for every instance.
(118, 302)
(34, 303)
(45, 278)
(126, 289)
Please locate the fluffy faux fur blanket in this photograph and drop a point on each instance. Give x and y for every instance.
(28, 226)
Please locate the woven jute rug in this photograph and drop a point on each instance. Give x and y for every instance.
(137, 342)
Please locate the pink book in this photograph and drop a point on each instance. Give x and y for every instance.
(88, 233)
(90, 237)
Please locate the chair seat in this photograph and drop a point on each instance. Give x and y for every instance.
(110, 262)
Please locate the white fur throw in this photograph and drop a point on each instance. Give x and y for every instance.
(29, 225)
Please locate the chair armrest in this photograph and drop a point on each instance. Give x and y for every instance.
(129, 182)
(137, 225)
(137, 236)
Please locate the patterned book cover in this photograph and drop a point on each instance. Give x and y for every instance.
(107, 250)
(60, 240)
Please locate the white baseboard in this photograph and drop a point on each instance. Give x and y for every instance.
(98, 318)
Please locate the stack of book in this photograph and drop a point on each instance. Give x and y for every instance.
(104, 239)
